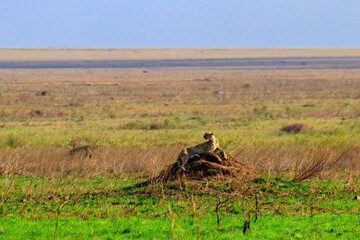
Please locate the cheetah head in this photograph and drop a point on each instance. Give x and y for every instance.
(208, 136)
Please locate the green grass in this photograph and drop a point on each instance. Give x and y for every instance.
(101, 208)
(165, 132)
(322, 226)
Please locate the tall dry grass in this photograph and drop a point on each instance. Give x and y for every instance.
(303, 162)
(297, 162)
(52, 160)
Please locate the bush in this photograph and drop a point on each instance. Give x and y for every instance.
(13, 141)
(293, 128)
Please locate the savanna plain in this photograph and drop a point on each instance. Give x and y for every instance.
(82, 130)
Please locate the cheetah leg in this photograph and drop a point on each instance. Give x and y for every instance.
(182, 159)
(183, 163)
(222, 152)
(215, 156)
(194, 155)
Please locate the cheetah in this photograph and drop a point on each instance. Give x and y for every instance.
(211, 145)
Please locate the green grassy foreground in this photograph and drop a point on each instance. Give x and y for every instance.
(105, 207)
(329, 226)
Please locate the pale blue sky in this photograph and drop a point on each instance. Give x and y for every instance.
(180, 23)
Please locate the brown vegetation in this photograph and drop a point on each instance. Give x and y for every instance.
(298, 162)
(109, 91)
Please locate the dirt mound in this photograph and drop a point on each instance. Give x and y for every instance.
(216, 165)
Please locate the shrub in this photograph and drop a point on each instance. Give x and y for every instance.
(293, 128)
(13, 141)
(246, 86)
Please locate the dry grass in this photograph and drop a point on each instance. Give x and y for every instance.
(329, 93)
(304, 162)
(48, 161)
(28, 54)
(299, 163)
